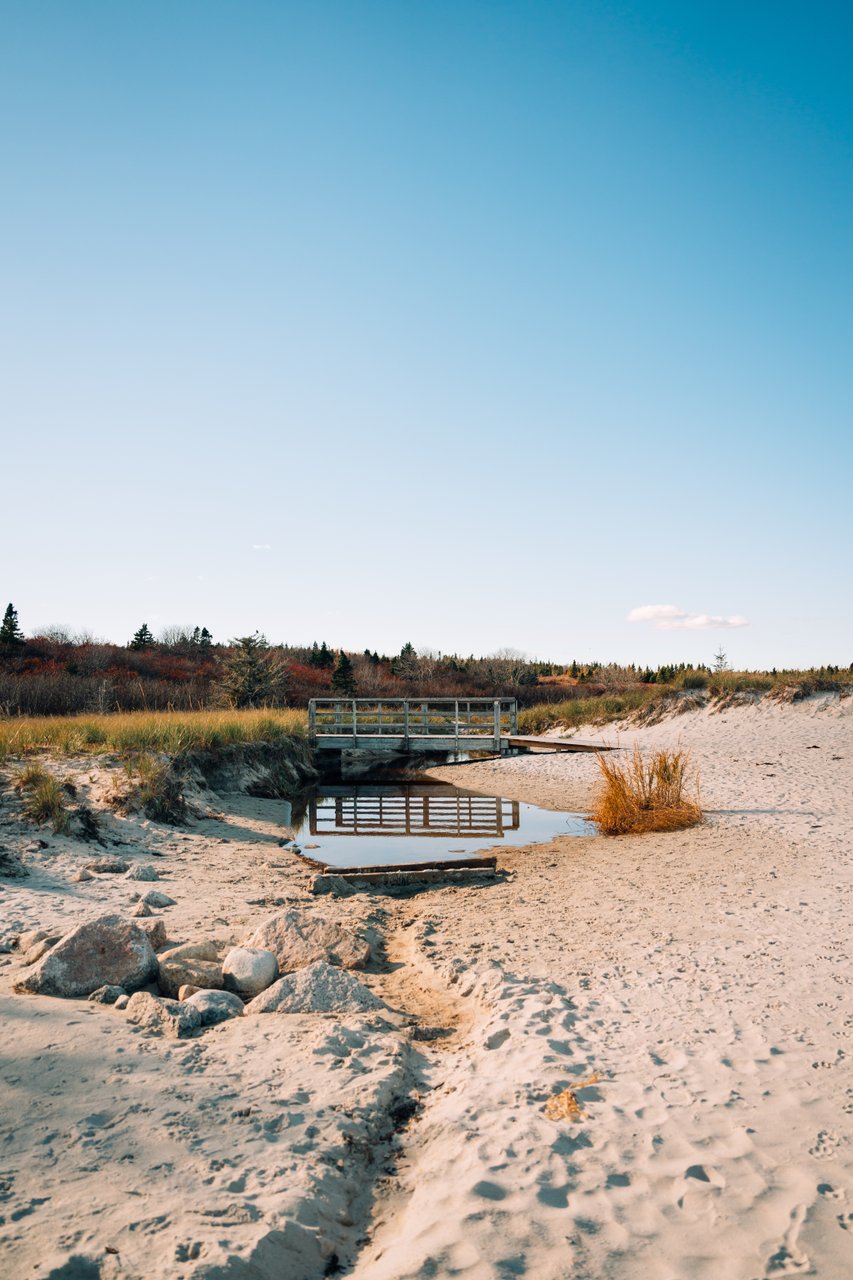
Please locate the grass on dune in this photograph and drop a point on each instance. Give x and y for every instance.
(646, 792)
(574, 712)
(43, 795)
(173, 732)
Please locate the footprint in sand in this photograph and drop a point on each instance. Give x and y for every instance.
(826, 1145)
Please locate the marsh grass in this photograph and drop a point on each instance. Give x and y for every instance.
(44, 797)
(645, 793)
(172, 732)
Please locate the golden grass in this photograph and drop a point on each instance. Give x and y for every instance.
(575, 712)
(565, 1105)
(173, 732)
(645, 793)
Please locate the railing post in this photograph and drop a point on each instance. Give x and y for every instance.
(514, 717)
(406, 721)
(497, 724)
(456, 723)
(312, 719)
(354, 723)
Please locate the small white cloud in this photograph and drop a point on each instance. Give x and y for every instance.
(668, 617)
(262, 546)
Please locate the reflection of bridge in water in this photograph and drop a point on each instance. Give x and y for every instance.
(410, 810)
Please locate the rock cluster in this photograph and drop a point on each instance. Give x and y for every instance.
(298, 938)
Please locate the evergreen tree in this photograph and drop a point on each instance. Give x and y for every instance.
(721, 660)
(143, 638)
(406, 662)
(10, 632)
(314, 657)
(253, 675)
(325, 658)
(573, 672)
(343, 676)
(205, 640)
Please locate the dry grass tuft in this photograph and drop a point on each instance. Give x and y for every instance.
(645, 793)
(152, 787)
(43, 797)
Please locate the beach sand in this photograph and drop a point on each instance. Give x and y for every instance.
(701, 980)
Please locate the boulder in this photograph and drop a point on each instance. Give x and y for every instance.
(168, 1016)
(249, 970)
(107, 995)
(141, 909)
(173, 974)
(188, 990)
(216, 1006)
(156, 931)
(207, 949)
(82, 875)
(297, 938)
(143, 872)
(106, 951)
(154, 898)
(122, 1002)
(321, 988)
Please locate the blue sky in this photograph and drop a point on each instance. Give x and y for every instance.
(475, 324)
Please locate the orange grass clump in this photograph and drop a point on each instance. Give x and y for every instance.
(645, 793)
(565, 1105)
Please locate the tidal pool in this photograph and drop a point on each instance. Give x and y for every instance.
(380, 824)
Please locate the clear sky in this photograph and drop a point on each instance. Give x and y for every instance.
(474, 324)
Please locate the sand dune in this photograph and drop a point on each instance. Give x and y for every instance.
(703, 976)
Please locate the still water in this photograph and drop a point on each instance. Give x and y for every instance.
(370, 824)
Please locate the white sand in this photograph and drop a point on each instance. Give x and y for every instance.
(704, 976)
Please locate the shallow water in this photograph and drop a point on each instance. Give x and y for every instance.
(380, 824)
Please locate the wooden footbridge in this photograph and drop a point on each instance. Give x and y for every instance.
(409, 725)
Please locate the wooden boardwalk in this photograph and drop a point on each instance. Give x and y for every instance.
(407, 725)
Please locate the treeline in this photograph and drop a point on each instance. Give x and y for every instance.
(185, 668)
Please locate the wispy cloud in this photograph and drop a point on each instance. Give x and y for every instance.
(262, 546)
(668, 617)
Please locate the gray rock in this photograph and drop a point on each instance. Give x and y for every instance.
(153, 1013)
(176, 973)
(249, 970)
(156, 931)
(206, 949)
(188, 990)
(107, 950)
(142, 909)
(321, 988)
(31, 937)
(216, 1006)
(337, 886)
(82, 875)
(122, 1002)
(40, 948)
(145, 872)
(154, 898)
(108, 995)
(108, 866)
(297, 938)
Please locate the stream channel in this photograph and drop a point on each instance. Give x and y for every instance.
(365, 824)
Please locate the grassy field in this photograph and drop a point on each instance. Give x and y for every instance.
(173, 732)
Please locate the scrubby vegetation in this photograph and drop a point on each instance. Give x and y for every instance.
(646, 792)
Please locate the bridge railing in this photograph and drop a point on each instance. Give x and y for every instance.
(412, 811)
(406, 718)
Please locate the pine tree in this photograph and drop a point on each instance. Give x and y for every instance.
(253, 675)
(143, 638)
(574, 669)
(205, 641)
(314, 656)
(325, 658)
(406, 662)
(721, 660)
(343, 676)
(10, 632)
